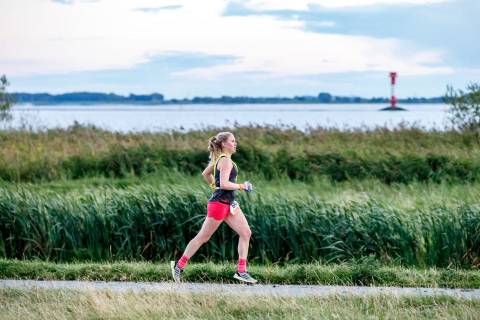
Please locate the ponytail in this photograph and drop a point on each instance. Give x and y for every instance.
(215, 145)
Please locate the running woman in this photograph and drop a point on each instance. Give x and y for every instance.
(221, 173)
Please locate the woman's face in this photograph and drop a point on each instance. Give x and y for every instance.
(230, 145)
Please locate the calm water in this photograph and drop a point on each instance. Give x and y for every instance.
(187, 117)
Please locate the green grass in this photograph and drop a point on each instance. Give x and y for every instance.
(361, 272)
(376, 202)
(414, 195)
(145, 222)
(102, 304)
(89, 140)
(392, 156)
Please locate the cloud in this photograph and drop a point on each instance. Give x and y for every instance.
(156, 9)
(315, 54)
(71, 2)
(64, 1)
(303, 5)
(322, 24)
(111, 34)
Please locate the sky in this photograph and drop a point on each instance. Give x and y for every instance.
(188, 48)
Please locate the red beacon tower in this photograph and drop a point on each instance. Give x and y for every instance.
(393, 98)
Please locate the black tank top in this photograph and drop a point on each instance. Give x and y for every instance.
(221, 195)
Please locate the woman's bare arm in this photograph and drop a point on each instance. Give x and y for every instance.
(225, 166)
(208, 173)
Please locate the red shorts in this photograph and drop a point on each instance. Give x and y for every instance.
(218, 210)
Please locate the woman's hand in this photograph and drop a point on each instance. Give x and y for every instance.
(247, 186)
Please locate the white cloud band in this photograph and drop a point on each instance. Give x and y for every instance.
(111, 34)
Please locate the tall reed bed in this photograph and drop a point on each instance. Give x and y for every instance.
(401, 155)
(140, 223)
(401, 196)
(303, 166)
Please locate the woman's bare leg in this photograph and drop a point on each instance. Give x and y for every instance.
(210, 225)
(240, 225)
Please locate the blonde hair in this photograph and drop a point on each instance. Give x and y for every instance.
(215, 144)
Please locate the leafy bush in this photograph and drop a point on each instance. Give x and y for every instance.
(465, 107)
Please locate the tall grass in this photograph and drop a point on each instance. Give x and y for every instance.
(104, 304)
(338, 166)
(138, 223)
(414, 195)
(389, 155)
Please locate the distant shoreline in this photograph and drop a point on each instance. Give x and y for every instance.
(93, 103)
(92, 98)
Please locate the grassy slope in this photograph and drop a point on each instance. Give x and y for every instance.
(363, 272)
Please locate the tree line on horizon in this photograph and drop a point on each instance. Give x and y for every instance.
(157, 98)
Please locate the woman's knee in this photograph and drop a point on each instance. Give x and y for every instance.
(245, 233)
